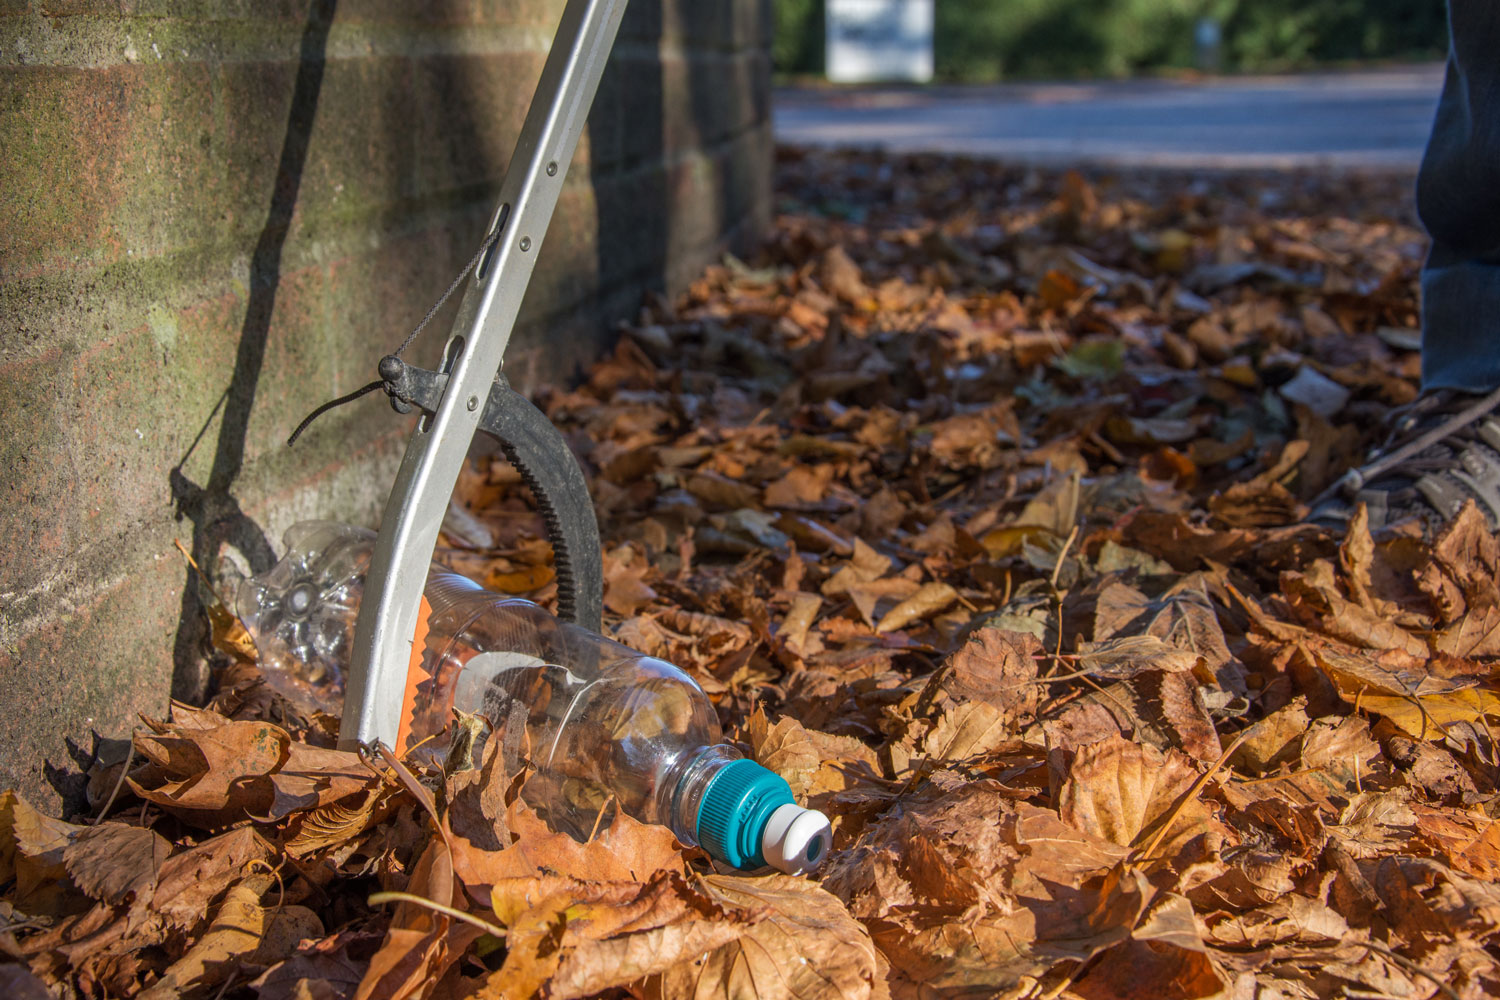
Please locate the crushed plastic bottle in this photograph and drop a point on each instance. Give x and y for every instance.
(601, 722)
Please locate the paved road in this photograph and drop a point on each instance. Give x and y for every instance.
(1368, 119)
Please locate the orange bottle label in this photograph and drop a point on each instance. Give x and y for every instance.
(416, 676)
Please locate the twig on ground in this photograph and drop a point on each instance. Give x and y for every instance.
(405, 897)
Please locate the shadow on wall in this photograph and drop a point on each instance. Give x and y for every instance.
(658, 110)
(632, 179)
(626, 153)
(211, 507)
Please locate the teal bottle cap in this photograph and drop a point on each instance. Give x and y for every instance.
(736, 807)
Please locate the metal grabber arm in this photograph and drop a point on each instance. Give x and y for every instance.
(469, 395)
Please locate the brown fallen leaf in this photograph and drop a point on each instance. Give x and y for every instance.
(1290, 918)
(926, 602)
(814, 764)
(1122, 791)
(339, 822)
(803, 486)
(1273, 740)
(242, 932)
(1465, 560)
(1318, 604)
(807, 946)
(1165, 957)
(841, 276)
(190, 880)
(625, 589)
(998, 667)
(203, 772)
(1126, 656)
(420, 944)
(1427, 900)
(520, 581)
(965, 731)
(115, 863)
(1250, 878)
(1374, 823)
(624, 850)
(580, 938)
(1466, 841)
(1422, 704)
(799, 618)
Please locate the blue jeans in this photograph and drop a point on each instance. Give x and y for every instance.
(1458, 198)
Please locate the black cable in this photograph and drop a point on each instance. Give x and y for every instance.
(332, 404)
(484, 248)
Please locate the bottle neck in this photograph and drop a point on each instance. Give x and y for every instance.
(684, 786)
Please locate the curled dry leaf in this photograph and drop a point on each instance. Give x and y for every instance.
(33, 849)
(799, 618)
(339, 822)
(420, 943)
(242, 933)
(930, 599)
(813, 763)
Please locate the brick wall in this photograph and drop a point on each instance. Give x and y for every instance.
(218, 213)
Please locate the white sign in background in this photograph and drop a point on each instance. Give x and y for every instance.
(879, 40)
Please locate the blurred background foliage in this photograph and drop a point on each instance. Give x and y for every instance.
(981, 40)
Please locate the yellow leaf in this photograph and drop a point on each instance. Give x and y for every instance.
(521, 581)
(1426, 716)
(1001, 543)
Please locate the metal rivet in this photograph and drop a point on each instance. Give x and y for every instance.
(525, 243)
(552, 169)
(473, 403)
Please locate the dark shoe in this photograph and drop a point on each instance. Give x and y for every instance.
(1443, 452)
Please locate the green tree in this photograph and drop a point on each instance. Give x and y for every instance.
(995, 39)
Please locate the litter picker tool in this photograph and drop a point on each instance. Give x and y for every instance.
(468, 394)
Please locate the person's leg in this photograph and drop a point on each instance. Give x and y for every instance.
(1446, 449)
(1458, 199)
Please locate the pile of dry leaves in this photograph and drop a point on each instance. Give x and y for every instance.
(975, 506)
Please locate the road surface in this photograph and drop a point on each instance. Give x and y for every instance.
(1373, 118)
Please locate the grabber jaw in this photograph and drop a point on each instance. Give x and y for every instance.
(466, 397)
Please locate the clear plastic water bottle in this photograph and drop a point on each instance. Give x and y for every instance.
(601, 722)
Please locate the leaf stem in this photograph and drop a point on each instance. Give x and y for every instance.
(119, 782)
(1410, 966)
(1191, 794)
(405, 897)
